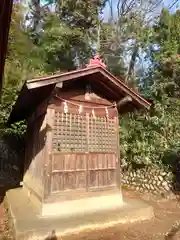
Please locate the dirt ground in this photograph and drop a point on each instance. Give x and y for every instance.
(167, 213)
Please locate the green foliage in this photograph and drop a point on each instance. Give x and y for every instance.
(80, 14)
(22, 62)
(147, 137)
(111, 50)
(68, 36)
(60, 44)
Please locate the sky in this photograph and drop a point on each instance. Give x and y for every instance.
(167, 3)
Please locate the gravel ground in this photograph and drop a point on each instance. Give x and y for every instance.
(167, 213)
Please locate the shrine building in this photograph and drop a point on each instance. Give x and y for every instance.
(72, 139)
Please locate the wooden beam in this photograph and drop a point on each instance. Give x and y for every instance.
(100, 88)
(5, 18)
(124, 88)
(124, 101)
(57, 78)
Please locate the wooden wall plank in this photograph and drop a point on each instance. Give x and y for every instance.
(48, 150)
(35, 152)
(84, 147)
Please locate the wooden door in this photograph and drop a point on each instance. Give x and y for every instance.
(84, 153)
(101, 171)
(69, 172)
(69, 158)
(102, 149)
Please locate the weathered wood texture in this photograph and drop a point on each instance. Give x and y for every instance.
(73, 151)
(35, 155)
(83, 171)
(83, 133)
(84, 147)
(48, 150)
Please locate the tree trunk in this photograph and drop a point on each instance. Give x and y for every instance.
(36, 13)
(130, 74)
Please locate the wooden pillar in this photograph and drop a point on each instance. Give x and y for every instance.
(5, 17)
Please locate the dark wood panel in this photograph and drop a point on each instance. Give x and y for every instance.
(35, 155)
(81, 180)
(102, 178)
(63, 181)
(57, 183)
(68, 172)
(111, 179)
(93, 179)
(102, 170)
(83, 171)
(58, 162)
(111, 160)
(69, 161)
(5, 18)
(80, 96)
(81, 162)
(70, 181)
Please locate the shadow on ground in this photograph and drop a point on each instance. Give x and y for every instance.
(172, 161)
(52, 236)
(11, 163)
(2, 194)
(12, 167)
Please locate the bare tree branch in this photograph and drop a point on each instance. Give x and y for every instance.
(171, 6)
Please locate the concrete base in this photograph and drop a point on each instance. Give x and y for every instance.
(79, 207)
(82, 215)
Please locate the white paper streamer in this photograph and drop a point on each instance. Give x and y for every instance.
(93, 113)
(80, 109)
(65, 107)
(107, 113)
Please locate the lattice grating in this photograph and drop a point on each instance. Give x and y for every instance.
(80, 133)
(102, 135)
(69, 133)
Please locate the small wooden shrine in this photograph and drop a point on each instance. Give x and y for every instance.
(72, 133)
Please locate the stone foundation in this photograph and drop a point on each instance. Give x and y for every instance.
(148, 180)
(89, 215)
